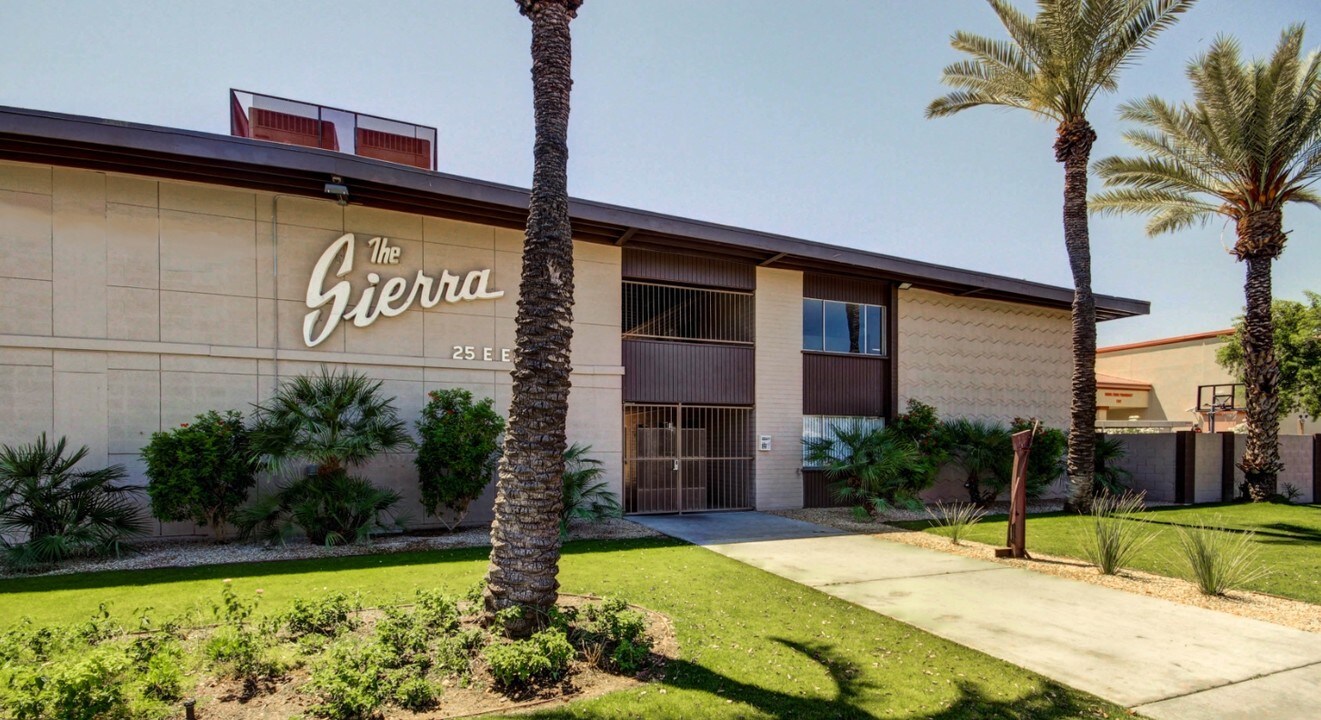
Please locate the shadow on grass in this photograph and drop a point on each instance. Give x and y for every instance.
(267, 568)
(854, 697)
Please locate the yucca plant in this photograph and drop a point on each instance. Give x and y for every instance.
(1217, 560)
(59, 511)
(1112, 536)
(954, 520)
(586, 495)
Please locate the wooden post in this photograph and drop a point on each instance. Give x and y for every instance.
(1017, 534)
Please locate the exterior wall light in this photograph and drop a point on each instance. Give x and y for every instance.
(339, 191)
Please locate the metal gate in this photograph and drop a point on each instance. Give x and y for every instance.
(687, 458)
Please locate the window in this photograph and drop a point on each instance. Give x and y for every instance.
(824, 426)
(838, 327)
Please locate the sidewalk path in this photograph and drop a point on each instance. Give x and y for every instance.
(1165, 660)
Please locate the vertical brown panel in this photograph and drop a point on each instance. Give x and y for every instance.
(846, 289)
(836, 384)
(1185, 467)
(892, 351)
(656, 371)
(1226, 466)
(1316, 469)
(688, 269)
(816, 490)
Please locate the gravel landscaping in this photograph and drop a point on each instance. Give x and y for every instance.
(1259, 606)
(193, 552)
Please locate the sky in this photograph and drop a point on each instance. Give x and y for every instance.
(798, 118)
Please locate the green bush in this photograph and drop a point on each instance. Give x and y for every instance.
(983, 452)
(200, 471)
(61, 512)
(1109, 477)
(457, 452)
(351, 681)
(162, 679)
(874, 469)
(1218, 560)
(79, 686)
(586, 495)
(416, 693)
(543, 657)
(238, 648)
(1045, 462)
(328, 615)
(330, 509)
(619, 631)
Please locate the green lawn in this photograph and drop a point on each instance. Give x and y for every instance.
(1288, 538)
(752, 645)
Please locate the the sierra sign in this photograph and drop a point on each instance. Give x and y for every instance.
(379, 299)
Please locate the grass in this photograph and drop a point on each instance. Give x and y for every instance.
(1288, 539)
(752, 645)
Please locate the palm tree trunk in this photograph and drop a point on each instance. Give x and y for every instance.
(525, 537)
(1260, 241)
(1073, 147)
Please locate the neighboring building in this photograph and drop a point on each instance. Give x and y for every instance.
(149, 274)
(1176, 383)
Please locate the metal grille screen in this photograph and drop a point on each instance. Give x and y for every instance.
(668, 312)
(682, 458)
(824, 426)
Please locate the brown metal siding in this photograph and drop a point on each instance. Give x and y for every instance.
(845, 385)
(816, 491)
(846, 289)
(690, 373)
(688, 269)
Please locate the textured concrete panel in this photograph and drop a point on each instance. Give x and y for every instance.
(132, 190)
(374, 222)
(207, 199)
(213, 319)
(21, 177)
(78, 230)
(132, 246)
(132, 313)
(25, 235)
(454, 232)
(26, 402)
(134, 408)
(208, 253)
(27, 307)
(984, 359)
(80, 403)
(185, 394)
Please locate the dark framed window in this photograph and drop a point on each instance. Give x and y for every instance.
(838, 327)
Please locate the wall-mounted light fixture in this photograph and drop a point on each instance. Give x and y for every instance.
(338, 190)
(905, 286)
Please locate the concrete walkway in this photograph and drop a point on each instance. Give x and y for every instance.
(1164, 660)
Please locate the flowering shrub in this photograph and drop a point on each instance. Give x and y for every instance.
(200, 471)
(457, 451)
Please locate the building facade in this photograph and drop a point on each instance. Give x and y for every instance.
(151, 274)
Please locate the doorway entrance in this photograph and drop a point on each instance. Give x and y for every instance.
(687, 458)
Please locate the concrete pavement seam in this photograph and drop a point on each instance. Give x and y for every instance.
(1225, 685)
(911, 577)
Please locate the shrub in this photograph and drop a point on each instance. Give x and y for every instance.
(954, 520)
(328, 615)
(457, 452)
(162, 679)
(1217, 560)
(586, 495)
(62, 512)
(1109, 477)
(78, 686)
(351, 681)
(872, 468)
(200, 471)
(330, 509)
(238, 648)
(1045, 462)
(416, 693)
(543, 657)
(983, 451)
(620, 632)
(1289, 493)
(1111, 539)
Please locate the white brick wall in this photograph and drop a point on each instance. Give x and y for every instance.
(779, 389)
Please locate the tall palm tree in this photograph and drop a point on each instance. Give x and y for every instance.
(1054, 65)
(1249, 143)
(525, 536)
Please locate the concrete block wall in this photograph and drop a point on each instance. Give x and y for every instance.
(131, 305)
(779, 387)
(1150, 460)
(1296, 454)
(1208, 484)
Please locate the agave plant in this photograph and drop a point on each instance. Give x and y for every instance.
(59, 510)
(586, 495)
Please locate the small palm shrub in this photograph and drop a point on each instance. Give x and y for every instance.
(334, 421)
(457, 451)
(60, 511)
(329, 509)
(200, 471)
(984, 452)
(954, 520)
(586, 495)
(1112, 537)
(872, 469)
(1217, 560)
(1109, 478)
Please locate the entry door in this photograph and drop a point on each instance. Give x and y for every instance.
(683, 458)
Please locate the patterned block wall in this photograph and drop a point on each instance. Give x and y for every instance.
(983, 358)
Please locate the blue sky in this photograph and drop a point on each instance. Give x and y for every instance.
(801, 118)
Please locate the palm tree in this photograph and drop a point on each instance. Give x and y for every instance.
(1053, 66)
(525, 535)
(1248, 144)
(983, 451)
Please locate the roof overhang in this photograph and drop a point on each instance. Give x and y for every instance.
(114, 146)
